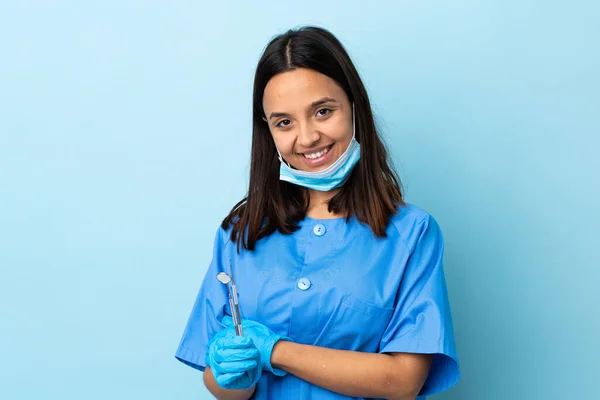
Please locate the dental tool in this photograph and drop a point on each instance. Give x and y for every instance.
(227, 279)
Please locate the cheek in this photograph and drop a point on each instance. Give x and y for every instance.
(284, 143)
(337, 129)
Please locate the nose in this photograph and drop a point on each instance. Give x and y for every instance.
(307, 136)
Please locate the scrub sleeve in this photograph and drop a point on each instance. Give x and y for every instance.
(208, 311)
(421, 322)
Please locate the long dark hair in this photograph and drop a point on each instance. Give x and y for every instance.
(373, 191)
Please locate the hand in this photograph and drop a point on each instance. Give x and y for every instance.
(234, 360)
(264, 339)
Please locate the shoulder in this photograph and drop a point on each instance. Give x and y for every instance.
(223, 235)
(411, 222)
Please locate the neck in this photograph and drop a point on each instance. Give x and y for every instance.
(318, 204)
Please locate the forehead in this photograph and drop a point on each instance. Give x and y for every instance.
(300, 87)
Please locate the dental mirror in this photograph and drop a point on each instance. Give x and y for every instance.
(223, 277)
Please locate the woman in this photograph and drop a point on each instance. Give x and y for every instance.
(340, 282)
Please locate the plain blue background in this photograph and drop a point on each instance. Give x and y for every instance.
(124, 139)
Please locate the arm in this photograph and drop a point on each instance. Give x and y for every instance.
(397, 376)
(225, 394)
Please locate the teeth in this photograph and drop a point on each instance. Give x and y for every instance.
(317, 154)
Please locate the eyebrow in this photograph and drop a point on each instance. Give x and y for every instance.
(312, 105)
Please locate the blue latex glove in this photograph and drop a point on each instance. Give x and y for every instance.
(234, 360)
(264, 339)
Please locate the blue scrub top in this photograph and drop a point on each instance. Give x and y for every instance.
(335, 284)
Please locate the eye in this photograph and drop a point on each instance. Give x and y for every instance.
(283, 123)
(324, 111)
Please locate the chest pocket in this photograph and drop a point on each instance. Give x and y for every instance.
(355, 325)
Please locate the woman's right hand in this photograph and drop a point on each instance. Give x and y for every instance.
(234, 361)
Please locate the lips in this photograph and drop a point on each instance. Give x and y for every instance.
(317, 153)
(318, 157)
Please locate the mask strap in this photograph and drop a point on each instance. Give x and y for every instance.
(353, 122)
(281, 160)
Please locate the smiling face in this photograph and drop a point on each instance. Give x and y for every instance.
(310, 118)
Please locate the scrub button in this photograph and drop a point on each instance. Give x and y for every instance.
(303, 284)
(319, 229)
